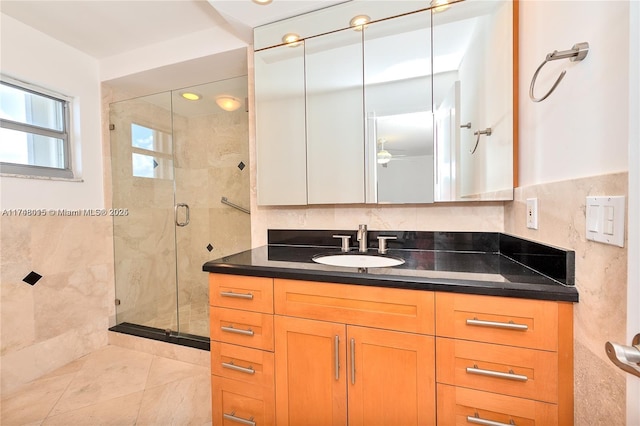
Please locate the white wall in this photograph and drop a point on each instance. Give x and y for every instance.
(581, 129)
(31, 56)
(191, 46)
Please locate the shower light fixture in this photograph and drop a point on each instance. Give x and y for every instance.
(291, 39)
(228, 103)
(262, 2)
(358, 22)
(190, 96)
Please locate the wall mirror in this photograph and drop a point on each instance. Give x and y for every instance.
(437, 91)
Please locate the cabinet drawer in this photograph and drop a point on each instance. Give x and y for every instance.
(507, 321)
(379, 307)
(243, 328)
(240, 292)
(253, 366)
(461, 406)
(508, 370)
(236, 403)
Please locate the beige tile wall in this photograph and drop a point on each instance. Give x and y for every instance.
(601, 279)
(66, 314)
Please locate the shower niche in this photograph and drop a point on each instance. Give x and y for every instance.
(180, 176)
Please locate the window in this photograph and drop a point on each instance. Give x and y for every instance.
(152, 153)
(34, 132)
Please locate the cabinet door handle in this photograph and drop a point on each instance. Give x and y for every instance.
(237, 419)
(231, 329)
(497, 374)
(353, 361)
(505, 325)
(481, 421)
(336, 356)
(236, 295)
(232, 366)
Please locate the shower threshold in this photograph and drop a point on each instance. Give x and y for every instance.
(162, 335)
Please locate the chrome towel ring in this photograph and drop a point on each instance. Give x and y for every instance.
(577, 53)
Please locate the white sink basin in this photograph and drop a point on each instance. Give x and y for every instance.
(358, 260)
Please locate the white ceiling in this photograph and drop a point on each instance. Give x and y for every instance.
(103, 28)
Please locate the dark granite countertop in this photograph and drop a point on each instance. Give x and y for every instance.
(475, 263)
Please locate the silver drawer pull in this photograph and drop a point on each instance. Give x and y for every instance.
(248, 296)
(231, 329)
(237, 419)
(507, 325)
(232, 366)
(497, 374)
(479, 421)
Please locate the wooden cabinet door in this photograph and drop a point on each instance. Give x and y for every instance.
(391, 377)
(311, 384)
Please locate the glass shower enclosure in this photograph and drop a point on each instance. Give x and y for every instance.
(179, 172)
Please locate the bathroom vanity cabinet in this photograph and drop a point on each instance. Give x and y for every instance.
(242, 357)
(503, 360)
(287, 351)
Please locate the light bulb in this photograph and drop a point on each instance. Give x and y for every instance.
(439, 5)
(190, 96)
(358, 22)
(291, 39)
(228, 103)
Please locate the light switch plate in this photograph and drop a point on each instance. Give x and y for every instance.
(605, 220)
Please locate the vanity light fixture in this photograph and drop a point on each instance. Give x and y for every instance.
(291, 39)
(359, 22)
(190, 96)
(228, 103)
(440, 5)
(262, 2)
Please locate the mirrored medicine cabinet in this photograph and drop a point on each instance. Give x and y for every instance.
(416, 105)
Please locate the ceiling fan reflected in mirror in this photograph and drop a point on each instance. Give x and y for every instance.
(383, 156)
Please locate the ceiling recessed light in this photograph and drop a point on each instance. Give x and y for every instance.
(440, 5)
(262, 1)
(358, 22)
(190, 96)
(291, 39)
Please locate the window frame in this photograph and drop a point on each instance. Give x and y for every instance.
(30, 170)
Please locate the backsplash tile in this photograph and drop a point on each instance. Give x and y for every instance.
(601, 280)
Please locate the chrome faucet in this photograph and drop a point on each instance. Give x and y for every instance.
(362, 238)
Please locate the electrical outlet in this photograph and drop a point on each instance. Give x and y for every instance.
(532, 213)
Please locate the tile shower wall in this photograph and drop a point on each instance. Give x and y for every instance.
(65, 315)
(601, 279)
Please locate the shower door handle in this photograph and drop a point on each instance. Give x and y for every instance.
(186, 218)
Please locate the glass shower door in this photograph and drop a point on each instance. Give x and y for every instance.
(173, 162)
(142, 151)
(211, 162)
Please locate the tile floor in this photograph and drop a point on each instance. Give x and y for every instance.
(114, 386)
